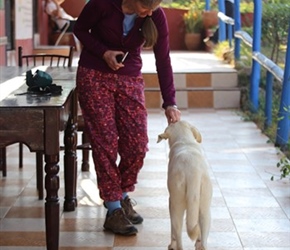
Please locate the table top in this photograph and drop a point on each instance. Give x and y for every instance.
(8, 72)
(64, 73)
(13, 86)
(18, 98)
(59, 73)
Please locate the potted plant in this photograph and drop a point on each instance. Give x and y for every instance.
(174, 15)
(193, 26)
(247, 10)
(210, 17)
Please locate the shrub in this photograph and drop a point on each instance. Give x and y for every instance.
(275, 22)
(246, 7)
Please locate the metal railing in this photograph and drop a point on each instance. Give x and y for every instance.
(258, 60)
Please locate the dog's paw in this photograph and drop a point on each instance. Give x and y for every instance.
(198, 245)
(172, 246)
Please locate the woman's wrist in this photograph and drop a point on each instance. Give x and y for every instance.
(172, 106)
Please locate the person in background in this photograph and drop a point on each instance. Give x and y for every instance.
(213, 40)
(111, 95)
(59, 15)
(62, 19)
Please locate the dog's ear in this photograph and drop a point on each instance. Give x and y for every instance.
(196, 134)
(162, 136)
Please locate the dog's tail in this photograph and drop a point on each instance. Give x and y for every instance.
(192, 209)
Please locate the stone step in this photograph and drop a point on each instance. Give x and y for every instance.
(197, 90)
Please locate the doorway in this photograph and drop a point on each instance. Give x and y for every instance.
(10, 24)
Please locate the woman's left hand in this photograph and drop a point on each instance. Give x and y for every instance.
(172, 114)
(110, 58)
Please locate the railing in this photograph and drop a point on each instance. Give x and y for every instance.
(258, 60)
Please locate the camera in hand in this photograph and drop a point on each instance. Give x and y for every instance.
(120, 58)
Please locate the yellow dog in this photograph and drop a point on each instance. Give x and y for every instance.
(189, 185)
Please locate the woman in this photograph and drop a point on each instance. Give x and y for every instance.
(111, 95)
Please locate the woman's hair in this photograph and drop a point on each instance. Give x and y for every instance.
(149, 29)
(149, 32)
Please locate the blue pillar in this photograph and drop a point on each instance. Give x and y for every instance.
(269, 97)
(284, 110)
(222, 25)
(230, 34)
(237, 27)
(256, 68)
(207, 5)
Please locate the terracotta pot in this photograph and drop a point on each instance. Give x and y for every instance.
(210, 19)
(176, 27)
(192, 41)
(247, 19)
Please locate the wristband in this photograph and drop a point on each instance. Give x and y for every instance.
(172, 106)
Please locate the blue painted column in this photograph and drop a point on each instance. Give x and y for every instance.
(284, 110)
(269, 97)
(237, 27)
(256, 68)
(207, 5)
(222, 25)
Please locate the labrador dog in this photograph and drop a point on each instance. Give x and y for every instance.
(189, 185)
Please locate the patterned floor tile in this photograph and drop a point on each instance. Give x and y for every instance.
(249, 211)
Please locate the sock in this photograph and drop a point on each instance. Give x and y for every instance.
(125, 194)
(112, 205)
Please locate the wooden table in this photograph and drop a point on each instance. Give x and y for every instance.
(37, 121)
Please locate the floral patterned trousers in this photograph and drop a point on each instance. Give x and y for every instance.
(113, 108)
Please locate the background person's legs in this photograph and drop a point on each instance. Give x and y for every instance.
(214, 39)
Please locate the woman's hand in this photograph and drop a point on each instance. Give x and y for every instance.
(110, 58)
(172, 114)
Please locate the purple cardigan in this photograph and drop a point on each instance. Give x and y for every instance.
(100, 27)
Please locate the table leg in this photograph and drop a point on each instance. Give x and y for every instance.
(3, 164)
(39, 174)
(52, 202)
(70, 166)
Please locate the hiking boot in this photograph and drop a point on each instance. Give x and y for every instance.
(131, 214)
(118, 223)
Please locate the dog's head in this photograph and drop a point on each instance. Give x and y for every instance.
(177, 131)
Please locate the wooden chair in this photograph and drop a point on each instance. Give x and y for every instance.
(53, 60)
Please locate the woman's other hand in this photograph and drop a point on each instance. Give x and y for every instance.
(110, 56)
(172, 114)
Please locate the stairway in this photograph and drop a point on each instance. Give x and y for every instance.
(201, 81)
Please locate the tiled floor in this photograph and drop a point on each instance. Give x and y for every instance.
(249, 211)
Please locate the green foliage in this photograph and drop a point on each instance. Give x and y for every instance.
(174, 5)
(284, 165)
(246, 7)
(276, 1)
(275, 22)
(193, 18)
(180, 4)
(185, 4)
